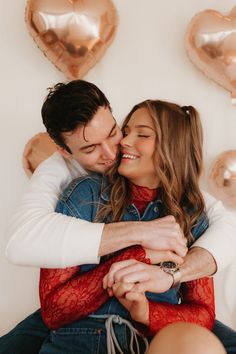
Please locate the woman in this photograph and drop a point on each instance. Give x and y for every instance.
(161, 162)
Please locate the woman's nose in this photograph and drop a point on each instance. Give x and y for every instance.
(126, 141)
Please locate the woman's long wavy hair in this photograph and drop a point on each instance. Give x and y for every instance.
(178, 160)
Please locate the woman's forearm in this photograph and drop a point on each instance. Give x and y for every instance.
(197, 307)
(67, 295)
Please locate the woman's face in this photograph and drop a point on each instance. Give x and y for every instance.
(138, 148)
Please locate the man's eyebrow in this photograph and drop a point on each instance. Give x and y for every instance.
(92, 145)
(87, 147)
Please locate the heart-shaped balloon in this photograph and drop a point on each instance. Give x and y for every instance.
(211, 46)
(222, 179)
(73, 34)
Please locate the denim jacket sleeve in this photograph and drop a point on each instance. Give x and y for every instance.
(201, 226)
(81, 198)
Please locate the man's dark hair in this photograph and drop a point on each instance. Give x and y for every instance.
(68, 106)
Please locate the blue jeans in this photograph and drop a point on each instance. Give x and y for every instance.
(226, 335)
(27, 337)
(89, 336)
(31, 334)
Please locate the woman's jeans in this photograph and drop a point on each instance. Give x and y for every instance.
(90, 336)
(31, 334)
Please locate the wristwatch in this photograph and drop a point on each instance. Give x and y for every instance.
(172, 268)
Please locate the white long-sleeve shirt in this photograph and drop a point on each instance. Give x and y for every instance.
(40, 237)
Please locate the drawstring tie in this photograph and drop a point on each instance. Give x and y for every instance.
(112, 342)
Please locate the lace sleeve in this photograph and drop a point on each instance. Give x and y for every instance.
(67, 296)
(197, 306)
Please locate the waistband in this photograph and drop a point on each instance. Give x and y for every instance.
(112, 342)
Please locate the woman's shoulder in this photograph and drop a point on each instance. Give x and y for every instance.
(83, 187)
(200, 226)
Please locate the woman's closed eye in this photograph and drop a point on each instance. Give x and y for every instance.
(143, 136)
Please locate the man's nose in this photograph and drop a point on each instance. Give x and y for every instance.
(109, 152)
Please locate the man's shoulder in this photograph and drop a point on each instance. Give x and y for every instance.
(83, 187)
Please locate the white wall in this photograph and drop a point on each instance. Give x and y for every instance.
(146, 60)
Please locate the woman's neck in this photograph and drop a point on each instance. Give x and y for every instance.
(142, 196)
(150, 183)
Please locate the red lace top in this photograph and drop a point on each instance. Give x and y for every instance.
(67, 295)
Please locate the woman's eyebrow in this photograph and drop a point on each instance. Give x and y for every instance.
(144, 126)
(139, 126)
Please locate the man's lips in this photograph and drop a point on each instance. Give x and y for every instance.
(108, 163)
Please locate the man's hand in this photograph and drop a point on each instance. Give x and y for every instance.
(164, 234)
(136, 303)
(144, 277)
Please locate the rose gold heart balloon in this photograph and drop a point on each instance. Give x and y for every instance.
(73, 34)
(222, 178)
(211, 46)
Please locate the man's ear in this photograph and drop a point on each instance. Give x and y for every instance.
(64, 153)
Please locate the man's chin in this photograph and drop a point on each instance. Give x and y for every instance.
(102, 168)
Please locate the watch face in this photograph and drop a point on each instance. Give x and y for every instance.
(169, 265)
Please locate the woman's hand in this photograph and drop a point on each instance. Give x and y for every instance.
(144, 277)
(135, 302)
(162, 256)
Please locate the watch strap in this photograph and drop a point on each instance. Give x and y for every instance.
(176, 279)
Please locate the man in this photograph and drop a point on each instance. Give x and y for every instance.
(58, 241)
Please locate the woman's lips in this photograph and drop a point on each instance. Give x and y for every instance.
(127, 157)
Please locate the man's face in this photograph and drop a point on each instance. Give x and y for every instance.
(95, 146)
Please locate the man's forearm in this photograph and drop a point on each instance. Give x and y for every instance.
(160, 235)
(117, 236)
(220, 237)
(197, 264)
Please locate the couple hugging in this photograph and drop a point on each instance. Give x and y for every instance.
(111, 257)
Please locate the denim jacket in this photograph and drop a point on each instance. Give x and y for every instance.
(82, 198)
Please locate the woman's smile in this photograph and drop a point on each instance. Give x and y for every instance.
(128, 157)
(138, 150)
